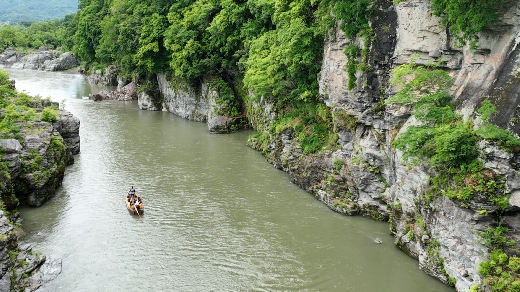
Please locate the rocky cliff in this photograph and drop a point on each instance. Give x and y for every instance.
(442, 234)
(368, 176)
(36, 145)
(201, 103)
(36, 160)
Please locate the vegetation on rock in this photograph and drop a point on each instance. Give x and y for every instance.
(21, 114)
(465, 19)
(446, 142)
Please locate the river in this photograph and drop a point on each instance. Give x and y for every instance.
(217, 216)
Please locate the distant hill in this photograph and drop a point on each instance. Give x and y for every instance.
(14, 11)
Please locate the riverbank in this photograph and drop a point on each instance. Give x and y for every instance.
(37, 142)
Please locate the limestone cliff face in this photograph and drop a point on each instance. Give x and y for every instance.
(184, 100)
(196, 104)
(368, 176)
(33, 166)
(36, 161)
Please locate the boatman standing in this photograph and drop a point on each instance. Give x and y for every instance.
(131, 193)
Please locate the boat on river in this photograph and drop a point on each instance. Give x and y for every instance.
(131, 207)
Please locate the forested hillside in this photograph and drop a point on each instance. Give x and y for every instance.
(15, 11)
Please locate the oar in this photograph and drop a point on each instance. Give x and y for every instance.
(135, 207)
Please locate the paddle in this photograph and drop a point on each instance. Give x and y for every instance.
(136, 207)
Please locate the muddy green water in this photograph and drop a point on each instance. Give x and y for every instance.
(218, 217)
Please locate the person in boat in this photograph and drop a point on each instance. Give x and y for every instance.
(131, 193)
(136, 204)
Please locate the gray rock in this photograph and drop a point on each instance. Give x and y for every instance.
(68, 127)
(218, 124)
(33, 60)
(183, 100)
(127, 92)
(10, 146)
(64, 62)
(99, 96)
(108, 77)
(47, 272)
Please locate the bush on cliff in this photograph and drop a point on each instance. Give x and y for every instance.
(465, 19)
(501, 271)
(18, 109)
(448, 144)
(49, 115)
(488, 131)
(443, 139)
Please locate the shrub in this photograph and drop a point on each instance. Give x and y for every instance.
(465, 19)
(505, 139)
(514, 264)
(494, 239)
(49, 115)
(454, 146)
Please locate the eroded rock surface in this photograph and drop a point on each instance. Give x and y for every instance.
(368, 176)
(43, 59)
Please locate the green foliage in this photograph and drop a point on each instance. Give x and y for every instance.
(57, 146)
(466, 18)
(228, 104)
(352, 52)
(14, 113)
(13, 254)
(428, 87)
(50, 34)
(87, 35)
(493, 238)
(446, 146)
(19, 110)
(503, 137)
(310, 124)
(514, 264)
(49, 115)
(454, 146)
(283, 63)
(500, 272)
(486, 110)
(12, 36)
(5, 176)
(443, 140)
(338, 164)
(354, 15)
(149, 55)
(4, 78)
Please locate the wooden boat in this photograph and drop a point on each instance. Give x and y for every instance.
(131, 207)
